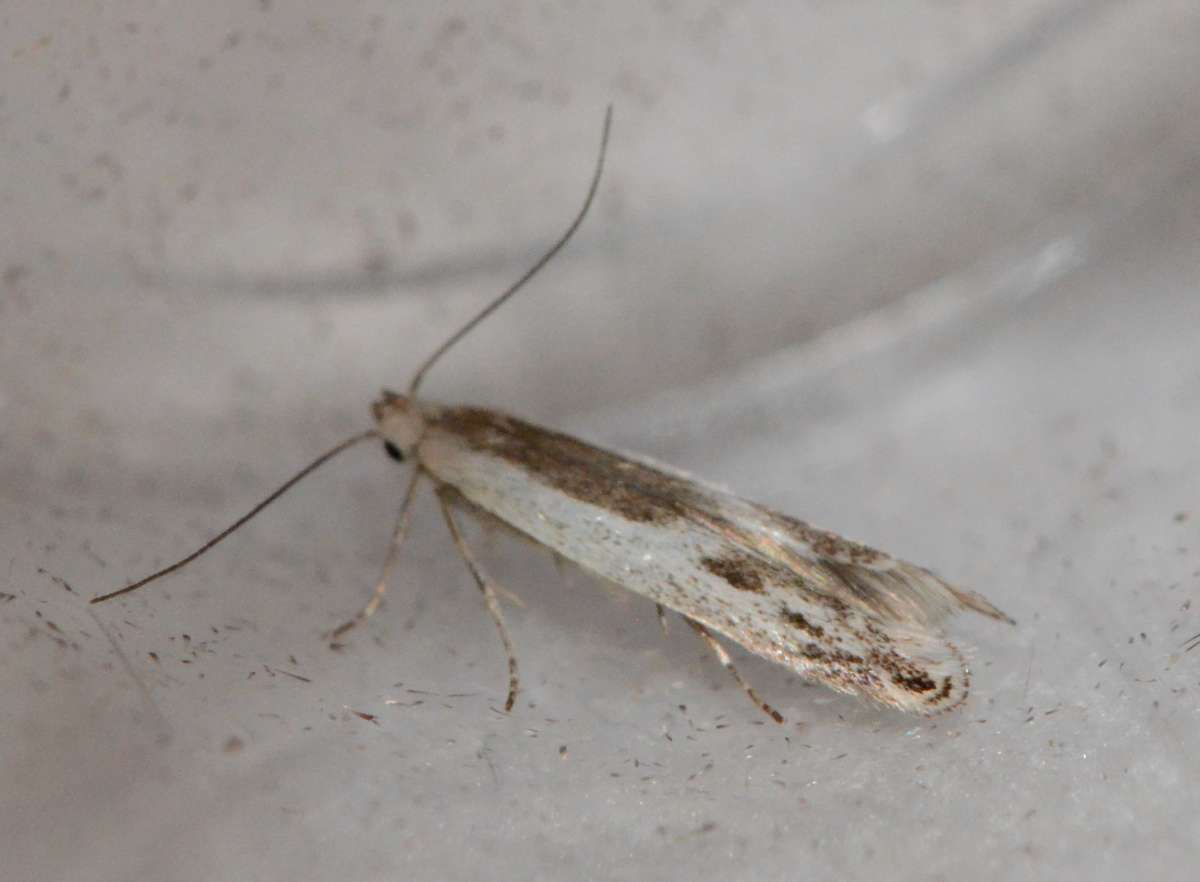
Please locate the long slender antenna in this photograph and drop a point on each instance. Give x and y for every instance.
(533, 271)
(287, 485)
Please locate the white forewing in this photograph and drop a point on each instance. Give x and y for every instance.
(842, 613)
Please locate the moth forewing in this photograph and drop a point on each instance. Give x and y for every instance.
(856, 619)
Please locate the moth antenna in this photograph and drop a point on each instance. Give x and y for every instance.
(240, 522)
(531, 272)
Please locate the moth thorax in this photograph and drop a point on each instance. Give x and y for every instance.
(399, 420)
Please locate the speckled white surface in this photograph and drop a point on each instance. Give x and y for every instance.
(925, 275)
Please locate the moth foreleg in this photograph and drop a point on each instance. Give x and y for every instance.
(489, 597)
(389, 562)
(727, 663)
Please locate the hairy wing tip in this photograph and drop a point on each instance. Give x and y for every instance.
(915, 671)
(935, 680)
(910, 594)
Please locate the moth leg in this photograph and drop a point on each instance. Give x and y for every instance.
(727, 663)
(662, 617)
(389, 562)
(489, 597)
(491, 524)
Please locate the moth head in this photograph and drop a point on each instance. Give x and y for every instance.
(400, 423)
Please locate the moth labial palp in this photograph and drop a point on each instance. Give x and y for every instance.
(828, 608)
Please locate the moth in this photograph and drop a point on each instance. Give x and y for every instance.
(828, 608)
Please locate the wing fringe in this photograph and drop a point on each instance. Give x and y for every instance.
(906, 593)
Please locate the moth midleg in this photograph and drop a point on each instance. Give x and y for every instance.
(662, 617)
(389, 562)
(489, 593)
(492, 524)
(727, 663)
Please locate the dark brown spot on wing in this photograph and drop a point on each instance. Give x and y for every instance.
(826, 544)
(741, 571)
(943, 693)
(798, 620)
(831, 657)
(590, 474)
(918, 681)
(908, 675)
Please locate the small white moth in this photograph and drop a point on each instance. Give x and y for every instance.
(830, 609)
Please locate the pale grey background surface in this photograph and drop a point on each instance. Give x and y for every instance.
(924, 273)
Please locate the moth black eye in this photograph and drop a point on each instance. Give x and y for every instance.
(393, 451)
